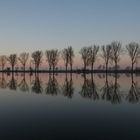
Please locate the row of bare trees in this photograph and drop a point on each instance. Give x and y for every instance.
(68, 55)
(110, 54)
(89, 55)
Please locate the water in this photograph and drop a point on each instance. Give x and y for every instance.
(69, 106)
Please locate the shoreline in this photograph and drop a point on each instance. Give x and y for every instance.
(69, 71)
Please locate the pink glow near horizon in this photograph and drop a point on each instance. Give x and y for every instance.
(78, 63)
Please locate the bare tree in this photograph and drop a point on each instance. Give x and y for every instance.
(93, 55)
(37, 58)
(23, 59)
(48, 55)
(106, 55)
(68, 55)
(3, 61)
(65, 56)
(54, 58)
(12, 60)
(71, 56)
(134, 53)
(85, 51)
(116, 51)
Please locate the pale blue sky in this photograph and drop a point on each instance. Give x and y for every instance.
(27, 25)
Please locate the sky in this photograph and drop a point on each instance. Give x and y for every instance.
(29, 25)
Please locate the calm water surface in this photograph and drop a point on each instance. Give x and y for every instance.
(68, 106)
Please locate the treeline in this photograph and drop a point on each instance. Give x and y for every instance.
(110, 54)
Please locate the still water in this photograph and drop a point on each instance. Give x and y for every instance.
(69, 106)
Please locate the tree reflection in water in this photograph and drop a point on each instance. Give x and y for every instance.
(115, 91)
(106, 90)
(134, 92)
(12, 83)
(111, 91)
(3, 83)
(52, 85)
(89, 88)
(37, 85)
(67, 88)
(23, 85)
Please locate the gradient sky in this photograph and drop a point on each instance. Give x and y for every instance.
(28, 25)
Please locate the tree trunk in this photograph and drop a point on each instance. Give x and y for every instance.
(53, 74)
(106, 67)
(84, 67)
(132, 78)
(50, 68)
(106, 77)
(71, 67)
(66, 76)
(38, 68)
(92, 67)
(116, 67)
(132, 69)
(12, 68)
(35, 68)
(24, 68)
(66, 68)
(92, 76)
(24, 77)
(53, 69)
(71, 76)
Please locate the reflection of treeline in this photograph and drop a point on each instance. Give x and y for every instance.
(52, 86)
(67, 88)
(134, 91)
(111, 91)
(89, 88)
(110, 54)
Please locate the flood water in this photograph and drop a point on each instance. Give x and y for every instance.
(66, 106)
